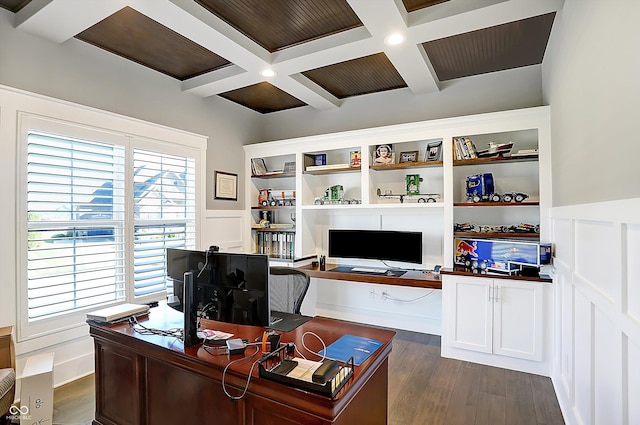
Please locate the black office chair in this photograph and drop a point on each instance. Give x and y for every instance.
(287, 288)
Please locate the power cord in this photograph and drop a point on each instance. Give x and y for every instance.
(224, 373)
(143, 330)
(388, 296)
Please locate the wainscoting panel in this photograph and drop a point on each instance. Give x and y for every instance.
(597, 322)
(224, 228)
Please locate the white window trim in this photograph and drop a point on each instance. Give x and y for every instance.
(89, 124)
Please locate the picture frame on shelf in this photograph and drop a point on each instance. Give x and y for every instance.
(289, 167)
(258, 167)
(409, 156)
(383, 154)
(320, 159)
(434, 151)
(225, 186)
(355, 158)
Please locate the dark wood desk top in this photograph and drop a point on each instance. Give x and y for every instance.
(211, 362)
(413, 278)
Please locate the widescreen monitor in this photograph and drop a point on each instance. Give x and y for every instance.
(384, 245)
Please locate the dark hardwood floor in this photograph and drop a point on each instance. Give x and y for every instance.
(424, 389)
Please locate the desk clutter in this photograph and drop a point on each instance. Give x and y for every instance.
(322, 377)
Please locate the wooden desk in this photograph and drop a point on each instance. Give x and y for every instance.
(155, 380)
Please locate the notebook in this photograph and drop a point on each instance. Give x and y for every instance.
(358, 347)
(118, 312)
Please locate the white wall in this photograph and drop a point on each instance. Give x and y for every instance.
(80, 73)
(590, 78)
(499, 91)
(597, 288)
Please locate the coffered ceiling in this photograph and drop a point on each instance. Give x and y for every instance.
(320, 51)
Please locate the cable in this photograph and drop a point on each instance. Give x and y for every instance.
(224, 372)
(387, 296)
(324, 346)
(143, 330)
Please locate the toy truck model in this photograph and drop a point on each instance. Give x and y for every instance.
(334, 195)
(419, 197)
(480, 188)
(276, 198)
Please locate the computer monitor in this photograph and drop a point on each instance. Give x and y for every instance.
(180, 261)
(226, 287)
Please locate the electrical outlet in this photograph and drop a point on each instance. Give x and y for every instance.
(372, 293)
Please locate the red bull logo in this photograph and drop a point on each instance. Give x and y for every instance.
(465, 248)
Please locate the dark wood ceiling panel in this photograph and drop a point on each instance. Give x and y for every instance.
(14, 5)
(263, 97)
(412, 5)
(277, 24)
(513, 45)
(132, 35)
(368, 74)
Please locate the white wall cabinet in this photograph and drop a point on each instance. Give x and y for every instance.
(496, 317)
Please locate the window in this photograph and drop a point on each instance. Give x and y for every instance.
(100, 214)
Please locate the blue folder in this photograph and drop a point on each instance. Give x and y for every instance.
(351, 345)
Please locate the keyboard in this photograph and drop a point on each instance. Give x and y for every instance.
(369, 270)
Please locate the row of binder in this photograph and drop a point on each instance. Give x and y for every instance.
(275, 244)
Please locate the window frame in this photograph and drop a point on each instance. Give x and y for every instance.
(122, 132)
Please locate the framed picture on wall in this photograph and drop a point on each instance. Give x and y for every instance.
(226, 186)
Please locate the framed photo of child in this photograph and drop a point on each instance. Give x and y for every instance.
(383, 154)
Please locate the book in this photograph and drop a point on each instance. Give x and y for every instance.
(118, 312)
(347, 346)
(473, 152)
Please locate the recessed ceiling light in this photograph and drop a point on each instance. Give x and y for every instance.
(268, 73)
(394, 39)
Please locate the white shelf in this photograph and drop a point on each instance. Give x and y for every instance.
(527, 127)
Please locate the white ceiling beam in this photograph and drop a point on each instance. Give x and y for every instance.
(301, 87)
(60, 20)
(385, 17)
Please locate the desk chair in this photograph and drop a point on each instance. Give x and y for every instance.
(287, 288)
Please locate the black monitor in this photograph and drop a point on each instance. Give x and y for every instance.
(389, 245)
(226, 287)
(180, 261)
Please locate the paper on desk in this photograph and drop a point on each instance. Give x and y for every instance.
(304, 370)
(211, 334)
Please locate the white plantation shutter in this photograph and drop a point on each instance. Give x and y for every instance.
(75, 223)
(77, 213)
(164, 214)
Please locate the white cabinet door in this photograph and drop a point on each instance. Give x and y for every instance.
(495, 316)
(518, 320)
(470, 312)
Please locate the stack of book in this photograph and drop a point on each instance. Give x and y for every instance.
(275, 244)
(464, 148)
